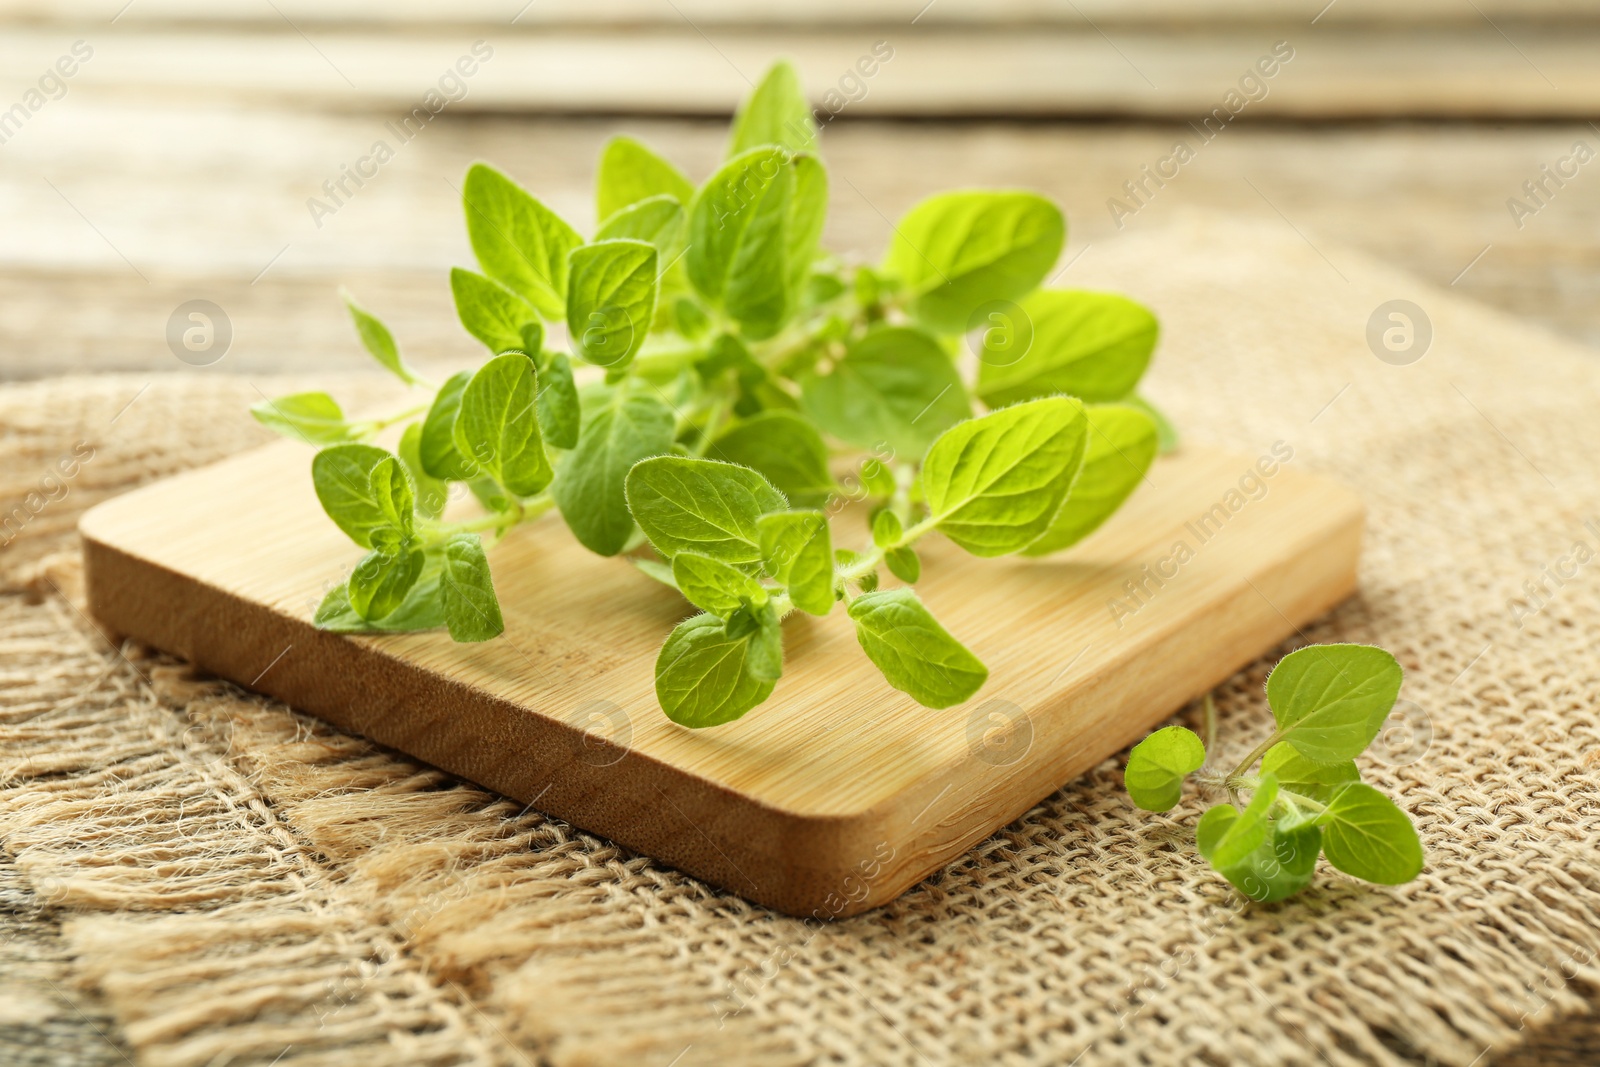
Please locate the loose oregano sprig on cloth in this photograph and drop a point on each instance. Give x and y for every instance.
(1307, 798)
(719, 370)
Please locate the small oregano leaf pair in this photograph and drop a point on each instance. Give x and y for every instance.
(1329, 701)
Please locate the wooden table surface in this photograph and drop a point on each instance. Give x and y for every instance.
(119, 206)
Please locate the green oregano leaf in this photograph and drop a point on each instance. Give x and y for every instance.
(378, 341)
(894, 386)
(1299, 775)
(497, 427)
(380, 582)
(1158, 765)
(714, 586)
(471, 609)
(489, 311)
(995, 483)
(659, 221)
(701, 505)
(437, 445)
(797, 550)
(432, 493)
(887, 529)
(611, 300)
(703, 676)
(421, 609)
(1226, 836)
(519, 242)
(1122, 444)
(775, 113)
(956, 252)
(1331, 700)
(1365, 834)
(903, 563)
(630, 424)
(786, 449)
(560, 414)
(1094, 346)
(916, 655)
(342, 477)
(753, 229)
(630, 172)
(314, 418)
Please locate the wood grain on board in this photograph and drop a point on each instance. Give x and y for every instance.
(836, 795)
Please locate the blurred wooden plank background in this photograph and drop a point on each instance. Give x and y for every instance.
(1353, 58)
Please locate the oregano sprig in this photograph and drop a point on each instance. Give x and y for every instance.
(687, 386)
(1306, 798)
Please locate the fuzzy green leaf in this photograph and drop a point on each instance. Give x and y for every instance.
(797, 550)
(437, 446)
(560, 414)
(958, 251)
(995, 483)
(753, 229)
(1094, 346)
(519, 242)
(1279, 867)
(421, 609)
(903, 563)
(1331, 700)
(916, 655)
(611, 300)
(1365, 834)
(383, 578)
(343, 478)
(378, 341)
(714, 586)
(471, 609)
(314, 418)
(497, 427)
(659, 221)
(1226, 836)
(1158, 765)
(630, 172)
(701, 505)
(489, 311)
(703, 676)
(432, 493)
(786, 449)
(1299, 775)
(887, 529)
(632, 423)
(775, 113)
(895, 386)
(1121, 446)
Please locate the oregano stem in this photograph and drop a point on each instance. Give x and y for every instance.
(1256, 753)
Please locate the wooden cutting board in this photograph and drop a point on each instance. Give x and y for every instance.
(839, 793)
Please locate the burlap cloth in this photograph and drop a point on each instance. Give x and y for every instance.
(241, 884)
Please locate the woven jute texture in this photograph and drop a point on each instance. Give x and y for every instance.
(241, 884)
